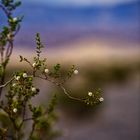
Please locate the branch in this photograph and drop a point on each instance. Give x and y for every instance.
(23, 114)
(5, 10)
(32, 131)
(1, 52)
(17, 30)
(67, 94)
(28, 119)
(9, 49)
(2, 86)
(60, 85)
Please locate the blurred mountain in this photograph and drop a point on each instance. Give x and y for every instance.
(63, 24)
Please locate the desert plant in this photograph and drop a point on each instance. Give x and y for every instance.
(16, 107)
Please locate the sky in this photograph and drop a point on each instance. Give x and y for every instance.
(83, 2)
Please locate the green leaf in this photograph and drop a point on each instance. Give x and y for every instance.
(17, 3)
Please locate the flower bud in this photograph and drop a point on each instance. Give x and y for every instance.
(34, 65)
(14, 84)
(15, 19)
(24, 75)
(33, 89)
(101, 99)
(76, 72)
(15, 110)
(17, 77)
(90, 94)
(46, 70)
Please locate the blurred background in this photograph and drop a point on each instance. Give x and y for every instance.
(102, 38)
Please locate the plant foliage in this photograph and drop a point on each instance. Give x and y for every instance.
(16, 107)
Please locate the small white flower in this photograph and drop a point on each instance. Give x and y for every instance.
(14, 84)
(25, 75)
(34, 65)
(101, 99)
(15, 110)
(90, 94)
(76, 72)
(46, 70)
(15, 19)
(33, 89)
(17, 77)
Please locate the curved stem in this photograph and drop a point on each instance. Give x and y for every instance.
(69, 96)
(60, 85)
(7, 83)
(2, 81)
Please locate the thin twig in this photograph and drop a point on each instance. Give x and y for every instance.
(28, 119)
(26, 60)
(8, 82)
(23, 114)
(24, 110)
(9, 49)
(5, 10)
(17, 30)
(1, 52)
(32, 131)
(60, 85)
(71, 97)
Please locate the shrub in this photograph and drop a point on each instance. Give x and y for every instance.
(16, 107)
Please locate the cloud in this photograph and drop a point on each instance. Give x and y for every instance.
(84, 2)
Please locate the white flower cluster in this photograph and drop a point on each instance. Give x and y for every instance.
(101, 99)
(18, 77)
